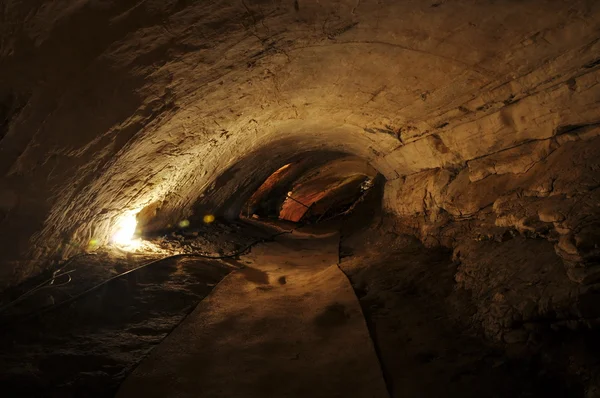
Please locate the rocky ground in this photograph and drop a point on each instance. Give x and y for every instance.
(494, 317)
(88, 348)
(428, 337)
(480, 317)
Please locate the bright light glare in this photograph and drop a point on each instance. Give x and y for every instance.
(125, 231)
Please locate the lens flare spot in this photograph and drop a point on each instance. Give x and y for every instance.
(93, 244)
(184, 224)
(209, 218)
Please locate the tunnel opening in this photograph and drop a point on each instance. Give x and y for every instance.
(259, 184)
(305, 192)
(261, 179)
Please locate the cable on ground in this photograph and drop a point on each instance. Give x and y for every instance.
(96, 287)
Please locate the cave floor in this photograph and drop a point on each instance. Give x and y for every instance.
(87, 348)
(288, 324)
(312, 313)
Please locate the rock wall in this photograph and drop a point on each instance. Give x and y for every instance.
(108, 107)
(523, 224)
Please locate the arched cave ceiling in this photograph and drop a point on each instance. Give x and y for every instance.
(108, 106)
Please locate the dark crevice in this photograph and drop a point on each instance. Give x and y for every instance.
(592, 64)
(569, 128)
(9, 110)
(371, 326)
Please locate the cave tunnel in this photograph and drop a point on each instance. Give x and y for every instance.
(299, 198)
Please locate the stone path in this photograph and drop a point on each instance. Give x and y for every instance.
(288, 325)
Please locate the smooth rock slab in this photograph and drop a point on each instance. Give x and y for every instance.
(289, 325)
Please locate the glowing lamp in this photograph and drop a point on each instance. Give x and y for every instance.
(125, 230)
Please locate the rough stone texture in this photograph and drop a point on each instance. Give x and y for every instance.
(108, 107)
(524, 235)
(428, 328)
(483, 116)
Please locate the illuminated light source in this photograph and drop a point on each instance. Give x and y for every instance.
(208, 218)
(125, 231)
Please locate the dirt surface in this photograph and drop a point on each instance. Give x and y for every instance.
(426, 327)
(422, 325)
(89, 347)
(288, 325)
(429, 343)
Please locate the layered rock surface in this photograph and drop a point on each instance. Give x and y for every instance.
(109, 107)
(524, 234)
